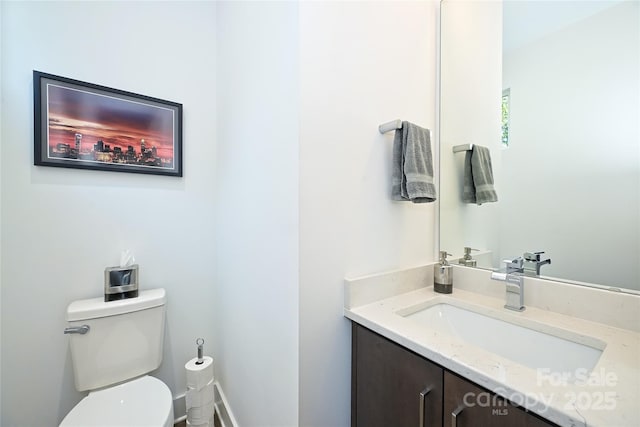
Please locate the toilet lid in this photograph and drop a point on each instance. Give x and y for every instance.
(143, 402)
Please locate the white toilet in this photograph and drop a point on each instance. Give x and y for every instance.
(122, 343)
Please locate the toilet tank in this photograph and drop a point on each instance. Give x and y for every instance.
(124, 341)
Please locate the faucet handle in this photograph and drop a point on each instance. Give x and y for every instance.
(515, 265)
(515, 262)
(533, 256)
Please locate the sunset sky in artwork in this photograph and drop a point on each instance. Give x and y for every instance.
(115, 121)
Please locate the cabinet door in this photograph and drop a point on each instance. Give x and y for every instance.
(391, 386)
(467, 405)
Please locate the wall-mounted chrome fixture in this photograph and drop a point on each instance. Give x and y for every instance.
(389, 126)
(463, 147)
(395, 125)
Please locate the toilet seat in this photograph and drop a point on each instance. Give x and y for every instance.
(143, 402)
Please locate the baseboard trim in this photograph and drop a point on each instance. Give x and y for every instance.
(221, 404)
(222, 407)
(179, 408)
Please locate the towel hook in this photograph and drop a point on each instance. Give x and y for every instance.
(389, 126)
(463, 147)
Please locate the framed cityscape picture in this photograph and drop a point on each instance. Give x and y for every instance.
(87, 126)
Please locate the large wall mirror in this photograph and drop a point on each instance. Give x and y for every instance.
(564, 141)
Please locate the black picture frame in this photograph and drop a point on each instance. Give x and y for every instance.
(87, 126)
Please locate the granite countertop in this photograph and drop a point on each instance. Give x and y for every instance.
(607, 396)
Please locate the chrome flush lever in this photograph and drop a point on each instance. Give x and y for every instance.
(77, 329)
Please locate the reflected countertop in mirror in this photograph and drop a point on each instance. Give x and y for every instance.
(553, 90)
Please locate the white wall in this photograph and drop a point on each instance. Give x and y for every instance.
(361, 64)
(470, 85)
(574, 113)
(1, 203)
(256, 308)
(286, 190)
(61, 227)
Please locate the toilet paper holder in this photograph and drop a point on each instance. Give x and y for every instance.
(200, 342)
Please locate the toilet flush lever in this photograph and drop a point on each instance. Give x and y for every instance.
(77, 329)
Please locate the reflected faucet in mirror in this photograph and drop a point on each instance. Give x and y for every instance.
(533, 262)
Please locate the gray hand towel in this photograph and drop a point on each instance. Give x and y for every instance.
(412, 174)
(477, 185)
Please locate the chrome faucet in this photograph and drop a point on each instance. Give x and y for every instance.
(515, 270)
(532, 263)
(513, 276)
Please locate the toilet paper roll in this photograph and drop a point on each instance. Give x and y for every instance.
(199, 376)
(195, 398)
(200, 414)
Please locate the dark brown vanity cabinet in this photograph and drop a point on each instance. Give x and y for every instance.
(394, 387)
(391, 386)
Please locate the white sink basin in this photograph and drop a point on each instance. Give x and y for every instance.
(520, 344)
